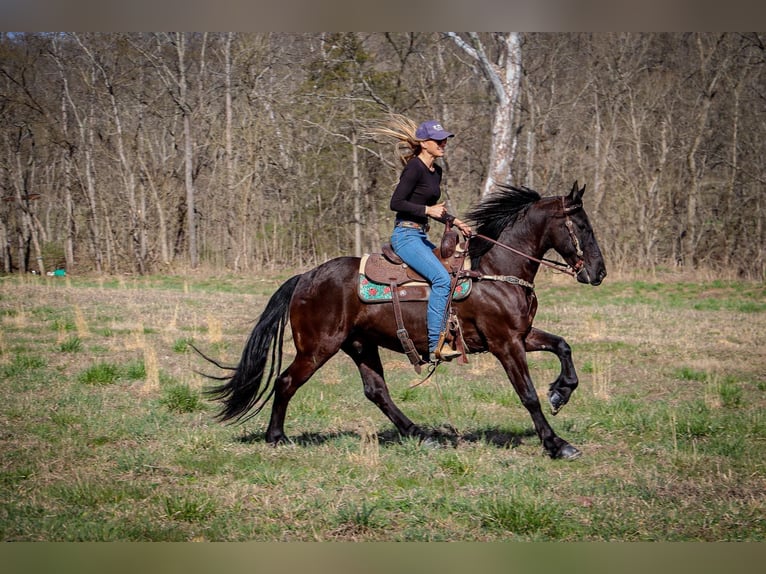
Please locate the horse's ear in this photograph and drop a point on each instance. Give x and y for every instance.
(576, 194)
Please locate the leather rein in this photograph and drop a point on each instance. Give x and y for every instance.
(572, 271)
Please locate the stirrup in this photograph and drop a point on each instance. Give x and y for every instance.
(448, 353)
(444, 353)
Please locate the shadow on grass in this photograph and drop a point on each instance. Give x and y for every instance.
(444, 435)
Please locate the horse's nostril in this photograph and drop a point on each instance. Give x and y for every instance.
(599, 278)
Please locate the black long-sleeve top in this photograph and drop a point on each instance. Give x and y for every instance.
(418, 187)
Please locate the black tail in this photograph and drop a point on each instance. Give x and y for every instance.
(243, 390)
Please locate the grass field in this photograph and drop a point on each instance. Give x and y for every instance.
(105, 433)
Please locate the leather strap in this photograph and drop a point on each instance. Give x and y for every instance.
(401, 332)
(450, 318)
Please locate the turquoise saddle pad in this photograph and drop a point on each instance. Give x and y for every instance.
(372, 292)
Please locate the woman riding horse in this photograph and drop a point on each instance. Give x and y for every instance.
(414, 201)
(515, 227)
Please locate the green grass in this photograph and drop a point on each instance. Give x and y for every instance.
(71, 345)
(100, 374)
(182, 345)
(181, 399)
(522, 515)
(135, 370)
(689, 374)
(731, 394)
(20, 365)
(106, 433)
(190, 508)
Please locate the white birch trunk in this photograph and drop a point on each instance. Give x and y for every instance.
(505, 77)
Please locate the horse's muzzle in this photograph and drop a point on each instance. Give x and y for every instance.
(596, 281)
(584, 276)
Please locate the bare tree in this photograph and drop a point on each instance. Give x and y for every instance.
(184, 107)
(79, 161)
(709, 72)
(174, 75)
(504, 74)
(136, 208)
(243, 150)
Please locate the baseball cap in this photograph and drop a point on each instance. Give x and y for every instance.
(432, 130)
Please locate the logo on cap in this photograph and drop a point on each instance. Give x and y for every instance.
(432, 129)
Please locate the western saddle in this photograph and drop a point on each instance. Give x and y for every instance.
(387, 268)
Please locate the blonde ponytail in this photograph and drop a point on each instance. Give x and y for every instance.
(401, 129)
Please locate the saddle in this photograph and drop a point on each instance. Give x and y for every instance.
(387, 268)
(385, 277)
(378, 272)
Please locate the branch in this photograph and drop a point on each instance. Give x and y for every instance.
(463, 45)
(477, 53)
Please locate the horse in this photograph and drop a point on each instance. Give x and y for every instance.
(326, 316)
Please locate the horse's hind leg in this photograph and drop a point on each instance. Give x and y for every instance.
(367, 359)
(285, 386)
(561, 389)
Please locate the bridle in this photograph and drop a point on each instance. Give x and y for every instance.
(572, 270)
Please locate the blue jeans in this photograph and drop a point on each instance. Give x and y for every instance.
(413, 246)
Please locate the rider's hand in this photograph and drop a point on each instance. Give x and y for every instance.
(437, 211)
(464, 228)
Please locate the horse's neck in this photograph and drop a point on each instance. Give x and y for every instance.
(501, 261)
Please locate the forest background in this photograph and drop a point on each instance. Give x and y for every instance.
(158, 152)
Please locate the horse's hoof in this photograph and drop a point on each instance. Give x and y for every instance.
(556, 401)
(277, 440)
(430, 443)
(568, 452)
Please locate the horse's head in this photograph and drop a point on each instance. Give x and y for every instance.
(519, 220)
(572, 237)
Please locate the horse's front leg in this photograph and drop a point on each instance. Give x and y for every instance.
(561, 389)
(513, 358)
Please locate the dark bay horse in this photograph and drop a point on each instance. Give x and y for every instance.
(326, 316)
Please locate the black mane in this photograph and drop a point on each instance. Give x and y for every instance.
(496, 212)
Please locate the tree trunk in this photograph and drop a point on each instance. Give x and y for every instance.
(692, 231)
(191, 217)
(357, 191)
(505, 77)
(229, 213)
(69, 231)
(29, 241)
(162, 231)
(84, 173)
(5, 246)
(90, 191)
(729, 239)
(136, 216)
